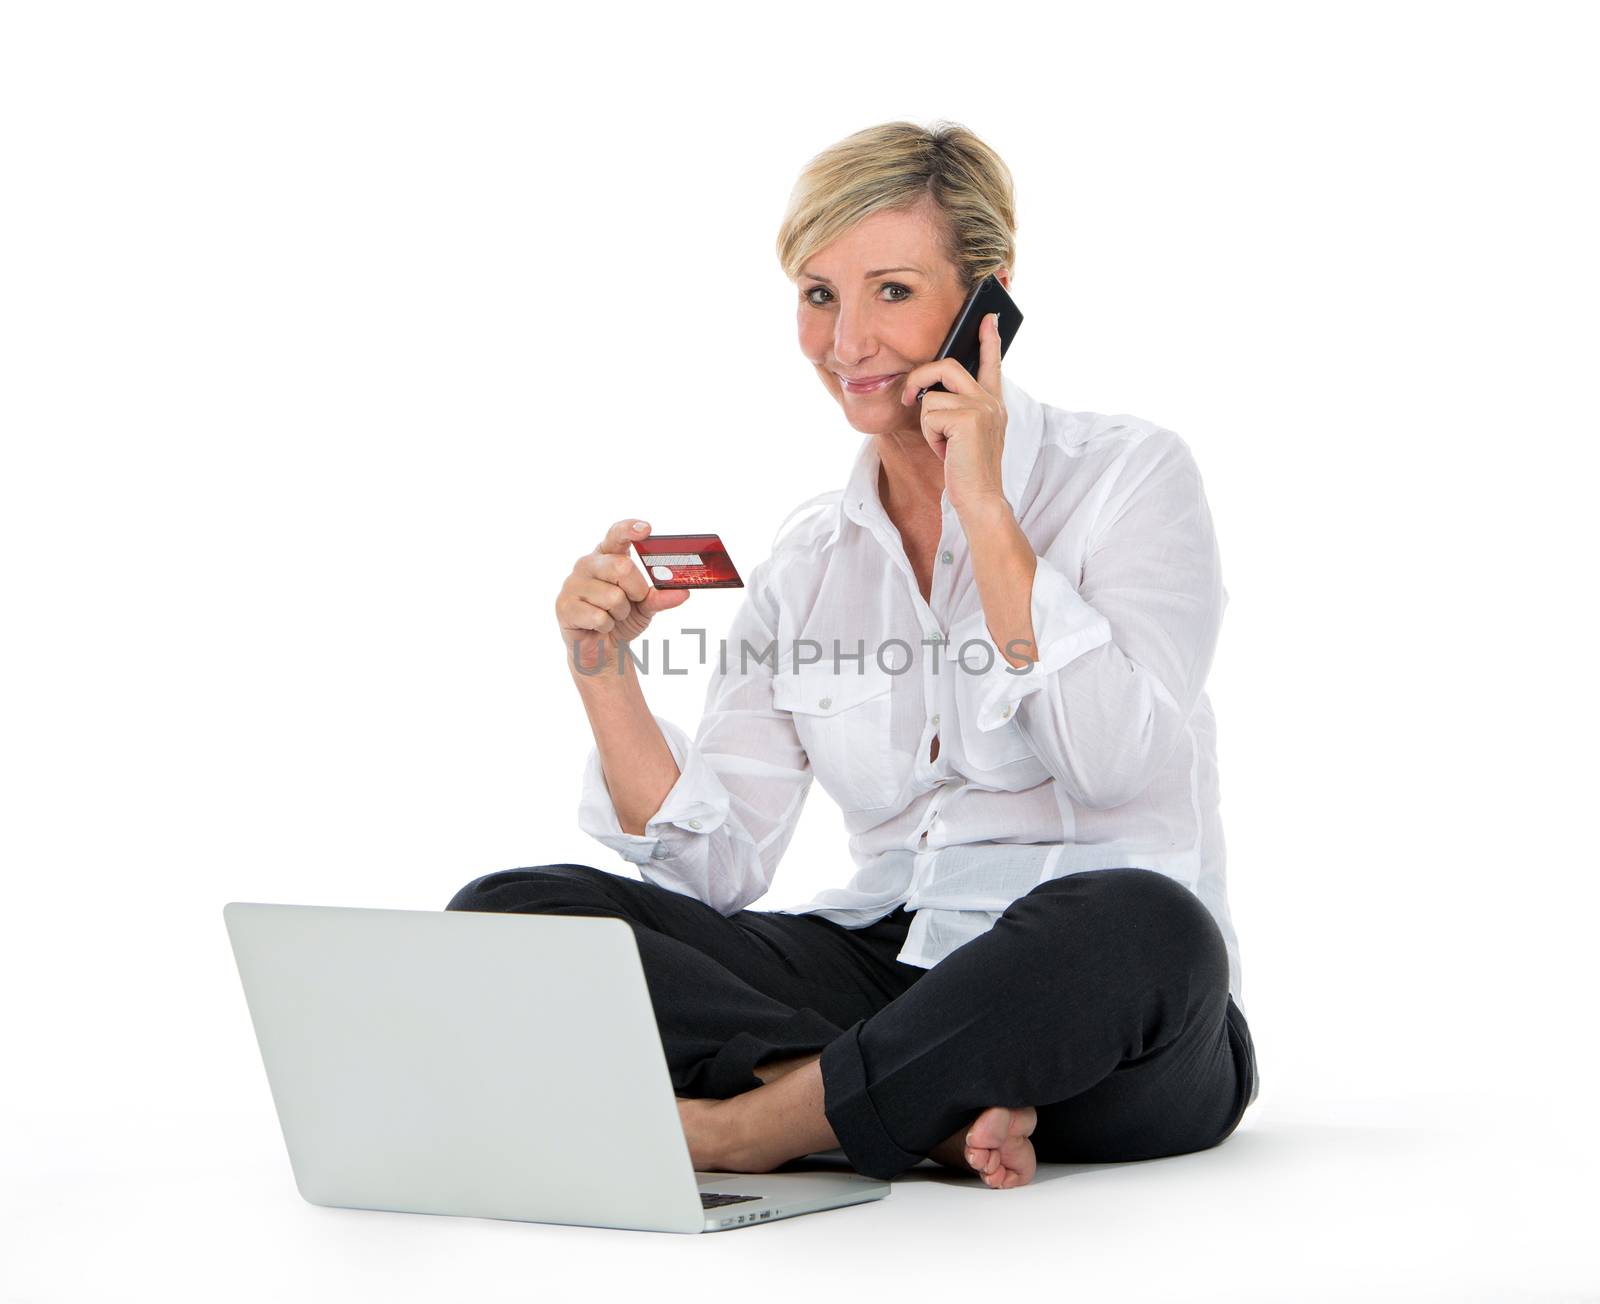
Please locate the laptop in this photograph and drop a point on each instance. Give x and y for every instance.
(485, 1065)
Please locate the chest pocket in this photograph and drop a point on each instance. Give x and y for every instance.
(983, 754)
(843, 720)
(987, 751)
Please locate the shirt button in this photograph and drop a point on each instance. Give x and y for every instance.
(659, 852)
(947, 557)
(1004, 713)
(694, 824)
(825, 703)
(935, 719)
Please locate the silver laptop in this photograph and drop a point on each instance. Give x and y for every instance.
(488, 1065)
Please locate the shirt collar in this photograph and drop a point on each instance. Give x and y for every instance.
(1024, 435)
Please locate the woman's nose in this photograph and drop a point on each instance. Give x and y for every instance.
(852, 336)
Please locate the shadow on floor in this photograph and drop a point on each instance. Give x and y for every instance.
(1292, 1142)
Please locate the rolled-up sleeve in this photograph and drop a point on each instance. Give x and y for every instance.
(696, 804)
(723, 826)
(1124, 654)
(1064, 628)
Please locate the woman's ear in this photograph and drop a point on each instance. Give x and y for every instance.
(1003, 275)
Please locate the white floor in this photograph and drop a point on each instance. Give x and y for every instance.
(1401, 1199)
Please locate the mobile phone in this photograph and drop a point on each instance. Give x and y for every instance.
(687, 561)
(962, 342)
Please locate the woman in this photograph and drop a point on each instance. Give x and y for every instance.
(991, 650)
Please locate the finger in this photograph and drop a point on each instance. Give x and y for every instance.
(618, 569)
(947, 371)
(620, 535)
(664, 599)
(608, 597)
(937, 414)
(989, 354)
(585, 615)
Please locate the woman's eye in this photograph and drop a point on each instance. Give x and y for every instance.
(890, 285)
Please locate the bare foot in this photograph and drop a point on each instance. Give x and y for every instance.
(995, 1146)
(706, 1121)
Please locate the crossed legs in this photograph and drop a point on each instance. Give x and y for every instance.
(1092, 1021)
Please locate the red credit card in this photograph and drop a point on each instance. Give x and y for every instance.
(687, 561)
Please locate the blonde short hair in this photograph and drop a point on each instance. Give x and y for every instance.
(895, 166)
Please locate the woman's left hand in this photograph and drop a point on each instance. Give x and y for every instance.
(967, 426)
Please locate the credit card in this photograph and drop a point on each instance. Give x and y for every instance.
(687, 561)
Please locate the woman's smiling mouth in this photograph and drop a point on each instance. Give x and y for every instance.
(870, 385)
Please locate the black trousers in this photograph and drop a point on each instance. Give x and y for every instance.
(1101, 998)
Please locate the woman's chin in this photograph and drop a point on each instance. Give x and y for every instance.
(867, 426)
(869, 418)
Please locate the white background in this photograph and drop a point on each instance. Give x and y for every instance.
(333, 333)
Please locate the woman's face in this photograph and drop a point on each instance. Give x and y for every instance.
(877, 302)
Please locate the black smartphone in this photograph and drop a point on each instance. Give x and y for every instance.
(962, 342)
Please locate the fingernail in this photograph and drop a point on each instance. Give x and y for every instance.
(641, 525)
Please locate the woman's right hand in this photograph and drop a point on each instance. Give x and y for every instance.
(607, 601)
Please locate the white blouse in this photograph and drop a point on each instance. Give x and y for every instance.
(1100, 754)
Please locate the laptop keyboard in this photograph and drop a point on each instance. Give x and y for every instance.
(716, 1199)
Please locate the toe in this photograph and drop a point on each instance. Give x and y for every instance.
(1019, 1160)
(997, 1145)
(991, 1128)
